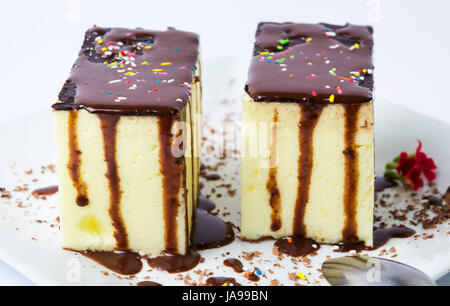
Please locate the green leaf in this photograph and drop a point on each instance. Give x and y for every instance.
(392, 175)
(391, 165)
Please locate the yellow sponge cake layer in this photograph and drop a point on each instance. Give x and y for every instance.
(141, 185)
(323, 216)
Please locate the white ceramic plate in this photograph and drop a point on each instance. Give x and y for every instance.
(33, 248)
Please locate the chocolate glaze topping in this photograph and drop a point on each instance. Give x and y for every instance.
(310, 62)
(136, 72)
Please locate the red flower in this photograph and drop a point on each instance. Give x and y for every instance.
(411, 167)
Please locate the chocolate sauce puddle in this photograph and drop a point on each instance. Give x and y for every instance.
(350, 231)
(122, 262)
(173, 263)
(148, 284)
(382, 183)
(109, 129)
(253, 277)
(297, 246)
(272, 184)
(220, 281)
(381, 236)
(235, 264)
(205, 204)
(211, 232)
(45, 191)
(212, 177)
(309, 116)
(75, 161)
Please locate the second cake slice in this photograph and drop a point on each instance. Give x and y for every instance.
(312, 84)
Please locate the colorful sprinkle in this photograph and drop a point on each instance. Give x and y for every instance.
(332, 98)
(301, 276)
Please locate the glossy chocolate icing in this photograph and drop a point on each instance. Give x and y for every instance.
(132, 72)
(310, 62)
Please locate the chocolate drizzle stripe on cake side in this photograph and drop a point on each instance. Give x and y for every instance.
(272, 184)
(350, 231)
(194, 194)
(109, 129)
(74, 162)
(309, 116)
(171, 169)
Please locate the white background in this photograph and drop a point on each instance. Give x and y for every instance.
(40, 41)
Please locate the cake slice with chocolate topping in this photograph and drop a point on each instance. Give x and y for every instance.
(309, 96)
(127, 133)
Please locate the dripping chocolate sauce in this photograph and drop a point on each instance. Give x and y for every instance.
(299, 246)
(350, 231)
(309, 116)
(75, 161)
(211, 232)
(171, 169)
(45, 191)
(109, 127)
(272, 184)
